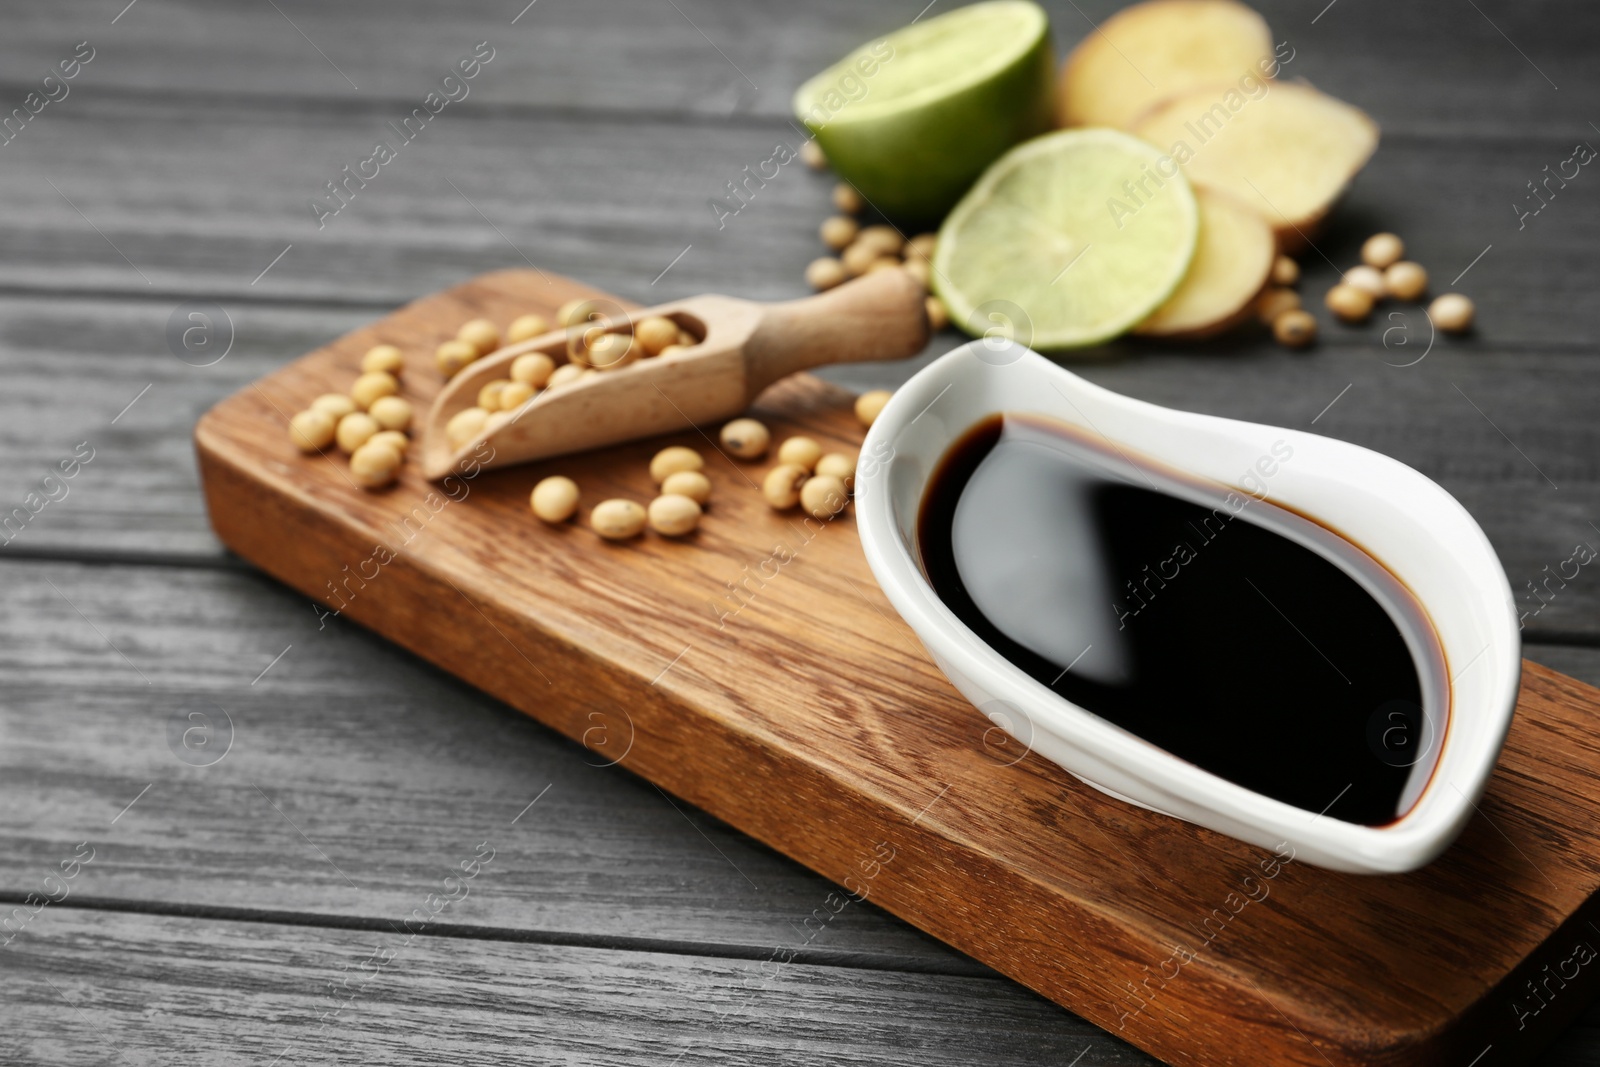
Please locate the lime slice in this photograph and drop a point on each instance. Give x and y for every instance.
(1085, 231)
(912, 119)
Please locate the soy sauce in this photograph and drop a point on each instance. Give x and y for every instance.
(1235, 634)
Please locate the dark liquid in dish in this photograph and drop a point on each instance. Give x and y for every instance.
(1190, 614)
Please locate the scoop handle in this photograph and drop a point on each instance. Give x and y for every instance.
(879, 316)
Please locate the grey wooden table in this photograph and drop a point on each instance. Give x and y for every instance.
(253, 909)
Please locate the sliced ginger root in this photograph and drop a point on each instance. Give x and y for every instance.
(1231, 264)
(1154, 50)
(1289, 154)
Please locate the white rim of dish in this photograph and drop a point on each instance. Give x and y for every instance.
(1411, 840)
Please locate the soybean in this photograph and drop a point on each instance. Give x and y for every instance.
(673, 459)
(312, 430)
(465, 425)
(354, 429)
(369, 387)
(514, 395)
(1368, 279)
(525, 326)
(838, 465)
(825, 273)
(746, 438)
(673, 514)
(1382, 250)
(617, 520)
(655, 333)
(1295, 328)
(572, 313)
(858, 257)
(1349, 303)
(1452, 313)
(781, 486)
(386, 358)
(692, 484)
(489, 395)
(607, 351)
(480, 334)
(336, 404)
(1406, 280)
(391, 412)
(555, 499)
(454, 355)
(823, 497)
(847, 200)
(1274, 302)
(839, 231)
(800, 451)
(374, 465)
(870, 405)
(566, 374)
(534, 368)
(886, 239)
(392, 438)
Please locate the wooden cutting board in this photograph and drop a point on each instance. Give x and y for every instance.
(756, 671)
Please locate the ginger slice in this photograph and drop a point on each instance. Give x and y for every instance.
(1231, 264)
(1158, 49)
(1289, 153)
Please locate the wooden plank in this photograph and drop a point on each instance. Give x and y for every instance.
(554, 878)
(1581, 663)
(208, 195)
(607, 856)
(88, 987)
(140, 495)
(202, 637)
(78, 985)
(95, 379)
(838, 759)
(385, 764)
(1374, 62)
(1458, 78)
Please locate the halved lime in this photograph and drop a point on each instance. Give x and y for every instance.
(1086, 231)
(912, 119)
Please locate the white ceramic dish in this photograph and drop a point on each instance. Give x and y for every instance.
(1424, 537)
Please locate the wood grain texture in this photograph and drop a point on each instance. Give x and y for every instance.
(91, 988)
(81, 734)
(140, 493)
(607, 858)
(384, 763)
(1424, 72)
(880, 771)
(592, 142)
(210, 193)
(87, 988)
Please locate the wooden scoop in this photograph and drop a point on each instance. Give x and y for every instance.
(744, 348)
